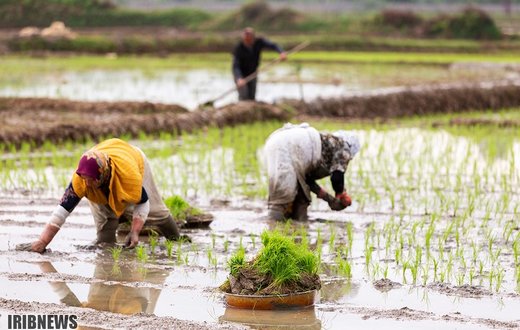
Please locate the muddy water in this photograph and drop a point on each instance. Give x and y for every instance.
(192, 87)
(75, 276)
(185, 88)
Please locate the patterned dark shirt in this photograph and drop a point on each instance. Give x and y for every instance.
(334, 157)
(334, 162)
(69, 200)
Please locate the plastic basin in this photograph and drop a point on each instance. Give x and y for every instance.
(293, 300)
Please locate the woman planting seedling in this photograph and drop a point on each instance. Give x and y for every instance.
(117, 180)
(297, 156)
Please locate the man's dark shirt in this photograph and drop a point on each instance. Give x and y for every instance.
(246, 60)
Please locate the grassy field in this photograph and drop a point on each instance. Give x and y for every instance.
(17, 63)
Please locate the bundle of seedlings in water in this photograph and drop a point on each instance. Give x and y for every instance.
(186, 215)
(281, 267)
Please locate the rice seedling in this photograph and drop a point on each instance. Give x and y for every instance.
(517, 274)
(212, 259)
(213, 240)
(414, 270)
(153, 240)
(141, 253)
(253, 240)
(429, 235)
(471, 275)
(209, 254)
(169, 247)
(375, 270)
(344, 267)
(508, 231)
(500, 273)
(368, 256)
(495, 256)
(237, 261)
(460, 278)
(474, 254)
(442, 276)
(481, 268)
(516, 249)
(179, 252)
(425, 274)
(435, 268)
(304, 238)
(332, 238)
(406, 266)
(116, 252)
(319, 242)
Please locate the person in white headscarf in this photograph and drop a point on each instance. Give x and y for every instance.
(297, 156)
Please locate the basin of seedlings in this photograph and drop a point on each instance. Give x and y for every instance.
(282, 275)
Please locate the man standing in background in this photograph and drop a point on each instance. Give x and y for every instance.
(246, 59)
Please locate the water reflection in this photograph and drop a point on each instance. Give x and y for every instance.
(336, 289)
(115, 298)
(188, 88)
(273, 319)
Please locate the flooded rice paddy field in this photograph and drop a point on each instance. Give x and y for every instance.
(192, 81)
(432, 238)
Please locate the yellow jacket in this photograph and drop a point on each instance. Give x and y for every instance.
(126, 180)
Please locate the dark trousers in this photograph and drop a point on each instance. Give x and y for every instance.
(296, 210)
(247, 92)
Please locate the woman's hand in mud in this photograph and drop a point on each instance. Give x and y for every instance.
(36, 246)
(132, 239)
(24, 247)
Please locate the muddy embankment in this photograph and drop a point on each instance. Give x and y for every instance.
(416, 102)
(38, 119)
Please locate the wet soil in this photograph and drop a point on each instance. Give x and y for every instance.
(460, 291)
(250, 281)
(406, 313)
(385, 285)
